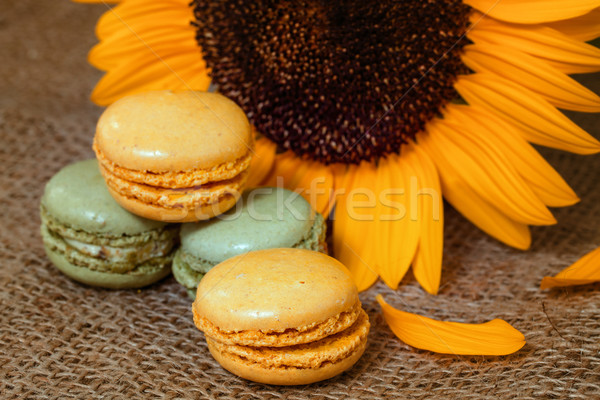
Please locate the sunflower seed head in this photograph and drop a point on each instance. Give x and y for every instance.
(333, 80)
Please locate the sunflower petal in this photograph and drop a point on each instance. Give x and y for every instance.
(262, 161)
(474, 206)
(496, 337)
(427, 265)
(533, 11)
(147, 46)
(315, 181)
(539, 121)
(142, 16)
(353, 240)
(396, 190)
(387, 252)
(568, 55)
(149, 73)
(545, 182)
(162, 41)
(585, 270)
(489, 173)
(96, 1)
(536, 75)
(584, 28)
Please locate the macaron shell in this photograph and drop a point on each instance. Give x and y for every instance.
(263, 218)
(77, 196)
(274, 290)
(106, 279)
(166, 131)
(285, 376)
(180, 214)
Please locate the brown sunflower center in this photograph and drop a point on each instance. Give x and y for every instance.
(337, 81)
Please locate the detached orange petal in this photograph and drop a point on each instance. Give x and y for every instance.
(585, 270)
(493, 338)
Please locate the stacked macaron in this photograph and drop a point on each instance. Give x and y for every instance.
(264, 218)
(282, 316)
(174, 157)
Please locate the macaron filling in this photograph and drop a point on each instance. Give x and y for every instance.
(186, 276)
(188, 197)
(103, 253)
(136, 254)
(291, 336)
(313, 355)
(177, 179)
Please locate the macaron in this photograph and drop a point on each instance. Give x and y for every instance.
(282, 316)
(174, 157)
(93, 240)
(263, 218)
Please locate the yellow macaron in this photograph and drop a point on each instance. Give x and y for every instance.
(174, 157)
(282, 316)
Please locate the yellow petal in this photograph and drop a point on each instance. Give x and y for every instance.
(353, 239)
(313, 180)
(472, 205)
(387, 247)
(584, 28)
(161, 41)
(488, 172)
(427, 264)
(493, 338)
(150, 73)
(536, 75)
(564, 53)
(142, 16)
(545, 182)
(262, 161)
(538, 120)
(397, 216)
(585, 270)
(319, 183)
(96, 1)
(533, 11)
(147, 46)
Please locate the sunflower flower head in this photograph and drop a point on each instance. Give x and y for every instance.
(361, 97)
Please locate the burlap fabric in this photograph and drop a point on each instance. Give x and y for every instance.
(59, 339)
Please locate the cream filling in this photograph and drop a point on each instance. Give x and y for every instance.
(122, 254)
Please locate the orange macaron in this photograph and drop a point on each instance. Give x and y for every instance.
(174, 157)
(282, 316)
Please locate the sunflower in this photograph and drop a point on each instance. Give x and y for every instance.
(375, 110)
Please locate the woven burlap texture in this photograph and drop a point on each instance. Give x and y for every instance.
(59, 339)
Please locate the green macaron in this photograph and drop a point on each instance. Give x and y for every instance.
(263, 218)
(93, 240)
